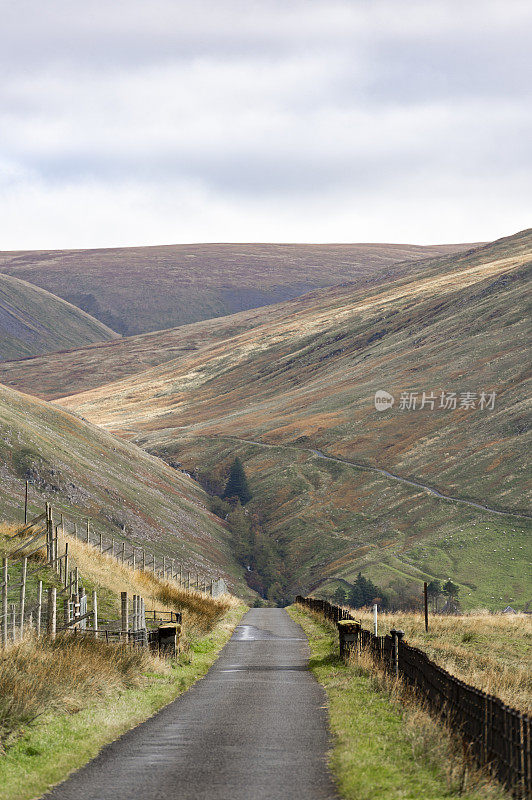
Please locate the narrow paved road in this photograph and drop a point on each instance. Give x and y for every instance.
(253, 729)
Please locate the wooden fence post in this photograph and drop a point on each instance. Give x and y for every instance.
(75, 601)
(76, 580)
(4, 602)
(52, 610)
(66, 565)
(39, 609)
(397, 636)
(23, 595)
(51, 534)
(47, 512)
(124, 613)
(88, 531)
(134, 563)
(95, 613)
(66, 612)
(180, 575)
(426, 604)
(13, 621)
(143, 560)
(26, 504)
(101, 542)
(123, 553)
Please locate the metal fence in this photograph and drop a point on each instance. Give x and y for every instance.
(497, 737)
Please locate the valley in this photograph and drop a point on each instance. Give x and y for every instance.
(303, 374)
(338, 486)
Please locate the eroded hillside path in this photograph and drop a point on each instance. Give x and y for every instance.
(386, 473)
(254, 728)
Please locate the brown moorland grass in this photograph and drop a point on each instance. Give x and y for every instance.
(200, 611)
(44, 676)
(490, 651)
(33, 321)
(66, 674)
(137, 289)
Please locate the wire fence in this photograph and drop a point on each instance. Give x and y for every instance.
(63, 605)
(497, 737)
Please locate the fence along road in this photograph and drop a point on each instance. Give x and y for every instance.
(253, 729)
(496, 736)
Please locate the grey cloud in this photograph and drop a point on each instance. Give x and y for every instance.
(253, 101)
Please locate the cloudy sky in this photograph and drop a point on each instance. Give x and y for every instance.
(128, 122)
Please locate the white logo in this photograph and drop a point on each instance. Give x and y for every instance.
(383, 400)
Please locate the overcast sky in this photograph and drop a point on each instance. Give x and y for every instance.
(128, 122)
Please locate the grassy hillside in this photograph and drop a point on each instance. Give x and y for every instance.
(306, 379)
(139, 289)
(87, 472)
(33, 321)
(63, 373)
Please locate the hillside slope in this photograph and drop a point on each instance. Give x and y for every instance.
(140, 289)
(59, 374)
(87, 472)
(33, 321)
(307, 380)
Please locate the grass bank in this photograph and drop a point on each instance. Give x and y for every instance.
(383, 747)
(73, 726)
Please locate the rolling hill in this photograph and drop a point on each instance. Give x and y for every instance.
(127, 493)
(304, 378)
(33, 321)
(140, 289)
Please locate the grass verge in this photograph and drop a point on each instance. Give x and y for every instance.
(62, 741)
(384, 748)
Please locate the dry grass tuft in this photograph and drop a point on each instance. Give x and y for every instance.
(38, 676)
(8, 529)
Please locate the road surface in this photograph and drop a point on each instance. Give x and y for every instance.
(254, 728)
